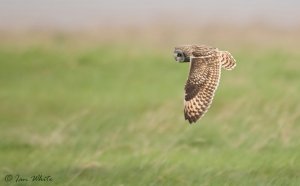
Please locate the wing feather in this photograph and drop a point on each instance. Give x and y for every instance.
(227, 60)
(200, 87)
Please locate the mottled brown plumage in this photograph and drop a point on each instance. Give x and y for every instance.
(204, 75)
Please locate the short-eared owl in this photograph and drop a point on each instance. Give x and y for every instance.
(204, 76)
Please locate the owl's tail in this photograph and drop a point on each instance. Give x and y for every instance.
(227, 61)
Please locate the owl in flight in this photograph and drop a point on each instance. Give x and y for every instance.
(204, 76)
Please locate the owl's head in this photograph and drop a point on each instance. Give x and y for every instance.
(180, 56)
(185, 52)
(182, 53)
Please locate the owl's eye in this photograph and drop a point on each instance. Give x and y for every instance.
(179, 55)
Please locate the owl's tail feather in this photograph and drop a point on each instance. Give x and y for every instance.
(227, 61)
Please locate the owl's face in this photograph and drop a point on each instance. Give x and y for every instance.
(185, 52)
(180, 56)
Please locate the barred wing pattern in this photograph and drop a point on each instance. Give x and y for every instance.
(227, 61)
(200, 87)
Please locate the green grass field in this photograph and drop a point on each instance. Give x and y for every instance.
(112, 114)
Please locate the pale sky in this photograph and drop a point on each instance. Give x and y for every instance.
(82, 13)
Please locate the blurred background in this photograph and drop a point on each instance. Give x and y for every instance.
(78, 13)
(91, 95)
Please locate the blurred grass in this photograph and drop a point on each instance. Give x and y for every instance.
(111, 114)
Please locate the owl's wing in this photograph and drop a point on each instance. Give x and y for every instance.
(227, 60)
(200, 87)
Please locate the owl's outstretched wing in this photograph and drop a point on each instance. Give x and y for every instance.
(200, 87)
